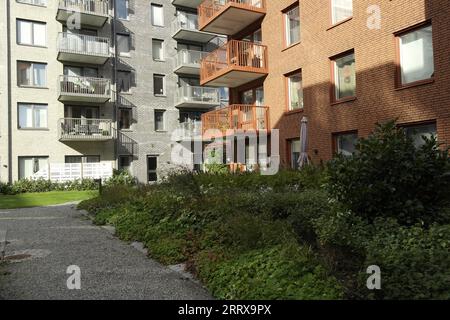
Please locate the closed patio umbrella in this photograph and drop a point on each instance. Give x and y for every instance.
(303, 160)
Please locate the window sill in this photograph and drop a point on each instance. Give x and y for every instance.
(32, 87)
(32, 45)
(291, 46)
(160, 96)
(125, 55)
(159, 60)
(339, 23)
(415, 84)
(290, 112)
(33, 129)
(350, 99)
(126, 93)
(161, 131)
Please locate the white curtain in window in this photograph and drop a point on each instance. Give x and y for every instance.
(157, 15)
(40, 117)
(39, 75)
(342, 9)
(39, 34)
(416, 55)
(25, 167)
(157, 48)
(293, 26)
(295, 92)
(24, 32)
(25, 116)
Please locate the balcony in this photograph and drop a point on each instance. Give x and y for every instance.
(188, 62)
(185, 27)
(82, 49)
(83, 89)
(197, 97)
(93, 13)
(234, 64)
(229, 17)
(75, 129)
(187, 3)
(189, 130)
(235, 118)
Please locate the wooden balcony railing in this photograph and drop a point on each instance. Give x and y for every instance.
(209, 9)
(240, 55)
(236, 117)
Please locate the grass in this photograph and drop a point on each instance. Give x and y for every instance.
(28, 200)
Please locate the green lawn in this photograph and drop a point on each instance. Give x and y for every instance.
(27, 200)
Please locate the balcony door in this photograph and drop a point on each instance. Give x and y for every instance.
(72, 71)
(253, 96)
(74, 40)
(83, 113)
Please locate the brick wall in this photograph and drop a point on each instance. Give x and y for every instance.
(375, 52)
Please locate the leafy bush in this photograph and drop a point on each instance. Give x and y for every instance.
(42, 185)
(414, 261)
(121, 177)
(390, 177)
(280, 272)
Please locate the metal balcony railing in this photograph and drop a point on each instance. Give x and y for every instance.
(184, 20)
(194, 94)
(95, 7)
(85, 129)
(83, 44)
(237, 117)
(189, 57)
(243, 55)
(84, 86)
(209, 9)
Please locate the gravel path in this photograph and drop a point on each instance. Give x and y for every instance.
(51, 239)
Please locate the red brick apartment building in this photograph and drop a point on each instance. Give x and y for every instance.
(343, 64)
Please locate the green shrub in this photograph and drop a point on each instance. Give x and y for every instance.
(390, 177)
(414, 261)
(42, 185)
(121, 177)
(280, 272)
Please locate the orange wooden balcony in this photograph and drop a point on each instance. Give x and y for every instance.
(229, 17)
(234, 64)
(235, 117)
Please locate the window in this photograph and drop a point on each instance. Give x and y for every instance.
(295, 149)
(157, 49)
(295, 91)
(82, 159)
(32, 116)
(125, 163)
(124, 81)
(159, 85)
(31, 74)
(341, 10)
(122, 9)
(345, 143)
(152, 167)
(418, 133)
(157, 15)
(125, 118)
(123, 44)
(28, 166)
(292, 25)
(416, 55)
(159, 120)
(31, 33)
(344, 77)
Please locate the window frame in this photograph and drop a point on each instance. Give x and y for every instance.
(128, 73)
(163, 53)
(154, 5)
(33, 120)
(32, 63)
(29, 157)
(398, 68)
(285, 19)
(163, 77)
(163, 112)
(287, 77)
(127, 6)
(335, 137)
(32, 44)
(409, 125)
(334, 24)
(128, 36)
(156, 157)
(333, 97)
(129, 128)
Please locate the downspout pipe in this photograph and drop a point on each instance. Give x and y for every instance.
(8, 54)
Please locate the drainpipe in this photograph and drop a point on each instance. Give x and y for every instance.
(117, 96)
(8, 45)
